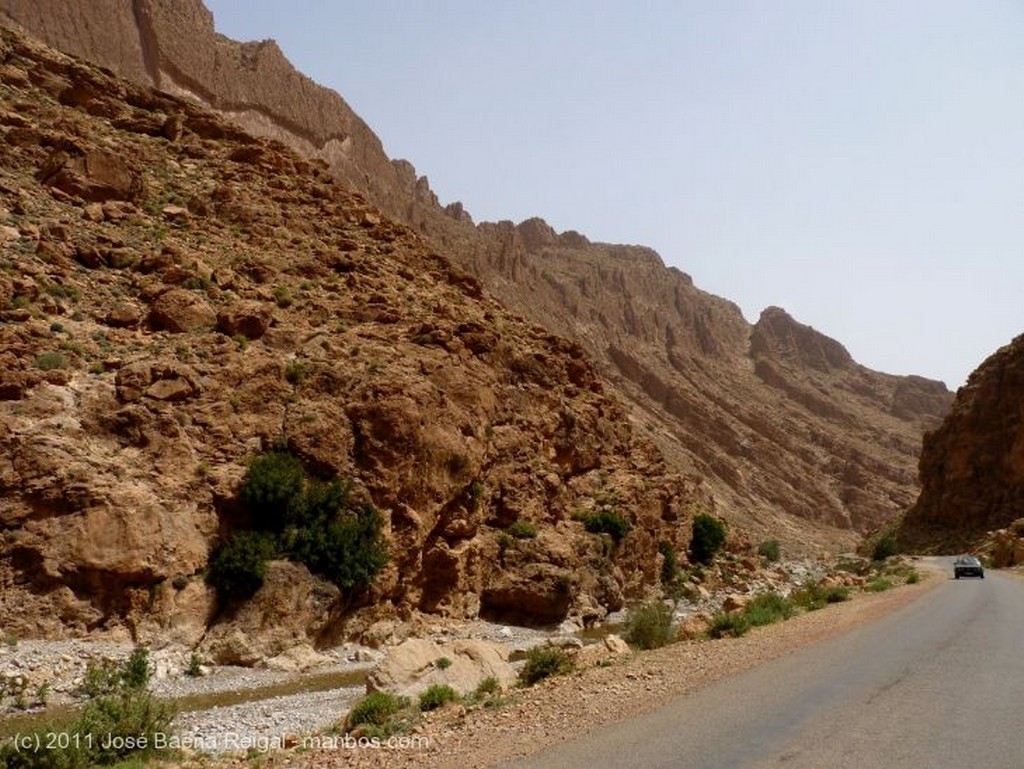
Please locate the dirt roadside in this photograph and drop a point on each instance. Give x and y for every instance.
(568, 707)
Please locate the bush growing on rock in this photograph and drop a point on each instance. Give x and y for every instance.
(522, 529)
(707, 539)
(606, 521)
(669, 562)
(349, 551)
(273, 489)
(308, 521)
(239, 566)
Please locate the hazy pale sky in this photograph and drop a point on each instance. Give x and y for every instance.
(859, 163)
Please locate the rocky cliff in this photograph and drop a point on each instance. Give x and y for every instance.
(972, 467)
(784, 427)
(177, 296)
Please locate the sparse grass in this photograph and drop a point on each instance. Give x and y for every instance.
(767, 608)
(724, 624)
(913, 577)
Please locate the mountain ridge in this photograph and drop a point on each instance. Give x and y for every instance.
(782, 433)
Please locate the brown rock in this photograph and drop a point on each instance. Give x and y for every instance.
(181, 310)
(95, 175)
(414, 665)
(250, 319)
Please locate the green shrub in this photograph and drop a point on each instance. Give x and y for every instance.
(376, 709)
(813, 597)
(708, 538)
(729, 624)
(101, 677)
(522, 529)
(283, 296)
(437, 695)
(605, 521)
(878, 585)
(442, 663)
(273, 489)
(195, 665)
(767, 608)
(770, 550)
(135, 672)
(349, 551)
(488, 687)
(913, 577)
(544, 661)
(649, 626)
(48, 361)
(884, 548)
(111, 726)
(669, 562)
(237, 569)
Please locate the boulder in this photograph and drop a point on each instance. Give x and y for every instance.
(416, 664)
(94, 175)
(180, 310)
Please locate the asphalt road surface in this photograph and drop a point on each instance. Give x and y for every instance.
(939, 683)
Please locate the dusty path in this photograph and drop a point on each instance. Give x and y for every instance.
(570, 707)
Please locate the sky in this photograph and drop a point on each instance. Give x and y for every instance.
(859, 163)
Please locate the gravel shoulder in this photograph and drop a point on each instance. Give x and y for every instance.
(567, 708)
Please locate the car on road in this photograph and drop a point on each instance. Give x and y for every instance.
(968, 566)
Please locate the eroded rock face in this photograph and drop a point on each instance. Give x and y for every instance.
(776, 419)
(972, 466)
(146, 358)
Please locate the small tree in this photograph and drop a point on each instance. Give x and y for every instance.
(349, 551)
(708, 538)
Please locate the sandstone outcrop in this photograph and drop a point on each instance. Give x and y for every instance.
(416, 664)
(972, 466)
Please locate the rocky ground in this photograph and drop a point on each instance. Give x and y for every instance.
(235, 710)
(568, 707)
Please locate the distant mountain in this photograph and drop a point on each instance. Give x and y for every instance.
(786, 433)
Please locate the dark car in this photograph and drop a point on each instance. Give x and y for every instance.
(968, 566)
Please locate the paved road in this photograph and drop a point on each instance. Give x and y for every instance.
(937, 684)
